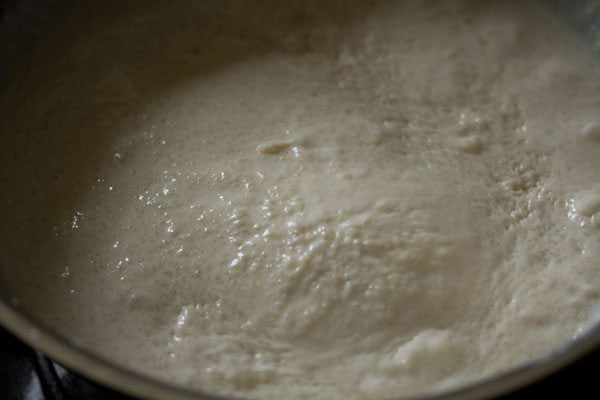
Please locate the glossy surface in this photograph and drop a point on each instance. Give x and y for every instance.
(578, 208)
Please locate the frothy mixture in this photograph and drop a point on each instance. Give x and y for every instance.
(305, 199)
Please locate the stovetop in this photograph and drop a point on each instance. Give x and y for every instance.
(27, 375)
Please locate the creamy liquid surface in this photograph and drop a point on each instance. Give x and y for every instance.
(352, 200)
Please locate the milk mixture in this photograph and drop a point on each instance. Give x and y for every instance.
(305, 199)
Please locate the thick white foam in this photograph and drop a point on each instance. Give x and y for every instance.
(344, 201)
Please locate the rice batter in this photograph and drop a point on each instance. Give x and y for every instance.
(294, 200)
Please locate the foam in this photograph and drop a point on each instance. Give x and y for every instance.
(350, 200)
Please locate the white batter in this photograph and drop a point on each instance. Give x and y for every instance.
(298, 200)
